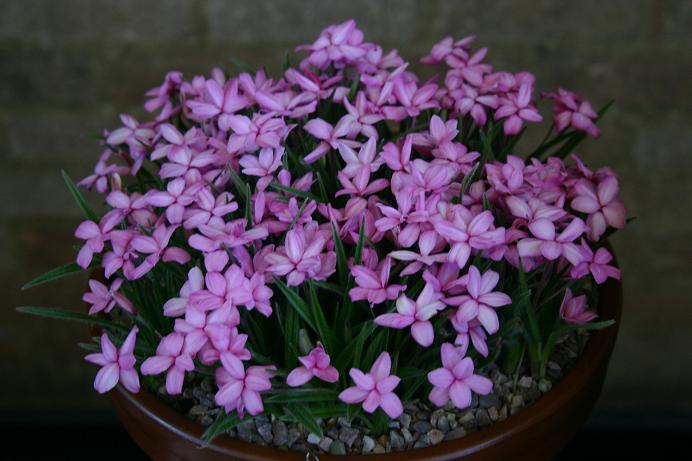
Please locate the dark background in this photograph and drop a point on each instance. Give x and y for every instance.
(69, 67)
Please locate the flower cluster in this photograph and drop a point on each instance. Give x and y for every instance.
(287, 233)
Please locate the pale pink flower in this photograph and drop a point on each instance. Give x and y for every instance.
(506, 177)
(534, 209)
(404, 221)
(157, 249)
(103, 172)
(375, 389)
(173, 355)
(175, 307)
(131, 133)
(449, 51)
(361, 185)
(465, 233)
(103, 298)
(602, 204)
(398, 157)
(469, 100)
(250, 135)
(315, 364)
(470, 332)
(263, 165)
(549, 244)
(574, 309)
(416, 314)
(220, 234)
(331, 137)
(517, 108)
(298, 259)
(363, 117)
(339, 44)
(455, 380)
(117, 365)
(218, 100)
(95, 236)
(372, 285)
(177, 196)
(360, 166)
(481, 300)
(428, 242)
(596, 264)
(239, 389)
(571, 110)
(225, 343)
(208, 206)
(413, 100)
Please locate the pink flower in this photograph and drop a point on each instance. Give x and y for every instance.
(574, 310)
(602, 204)
(156, 247)
(316, 364)
(175, 307)
(551, 245)
(218, 100)
(481, 301)
(596, 264)
(416, 314)
(471, 331)
(472, 101)
(398, 157)
(208, 206)
(298, 259)
(102, 173)
(250, 135)
(239, 389)
(413, 100)
(174, 199)
(570, 110)
(219, 234)
(373, 285)
(427, 243)
(104, 299)
(507, 177)
(375, 389)
(394, 218)
(339, 44)
(465, 233)
(95, 236)
(363, 117)
(455, 380)
(132, 133)
(173, 355)
(264, 165)
(516, 109)
(360, 166)
(330, 136)
(116, 365)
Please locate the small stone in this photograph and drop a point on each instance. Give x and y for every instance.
(435, 416)
(525, 382)
(326, 444)
(368, 444)
(383, 440)
(396, 440)
(199, 393)
(422, 415)
(482, 418)
(337, 448)
(435, 436)
(422, 426)
(206, 420)
(467, 420)
(405, 420)
(280, 432)
(490, 400)
(544, 385)
(493, 413)
(379, 449)
(265, 431)
(207, 385)
(533, 393)
(343, 421)
(452, 421)
(293, 436)
(443, 424)
(408, 437)
(516, 404)
(313, 438)
(422, 443)
(247, 431)
(395, 425)
(198, 410)
(300, 447)
(503, 413)
(455, 433)
(349, 436)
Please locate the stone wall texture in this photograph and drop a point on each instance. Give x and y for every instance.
(68, 67)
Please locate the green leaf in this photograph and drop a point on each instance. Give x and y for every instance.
(323, 329)
(79, 198)
(242, 65)
(241, 186)
(361, 239)
(303, 415)
(341, 261)
(62, 314)
(224, 421)
(297, 303)
(294, 191)
(302, 395)
(55, 274)
(588, 326)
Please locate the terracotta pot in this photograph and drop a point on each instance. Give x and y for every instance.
(536, 433)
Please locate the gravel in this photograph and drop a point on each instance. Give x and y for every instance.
(420, 425)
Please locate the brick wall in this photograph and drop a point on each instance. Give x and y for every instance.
(68, 67)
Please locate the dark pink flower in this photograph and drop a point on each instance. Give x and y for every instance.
(117, 365)
(455, 380)
(375, 389)
(315, 364)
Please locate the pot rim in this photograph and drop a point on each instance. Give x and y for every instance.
(596, 352)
